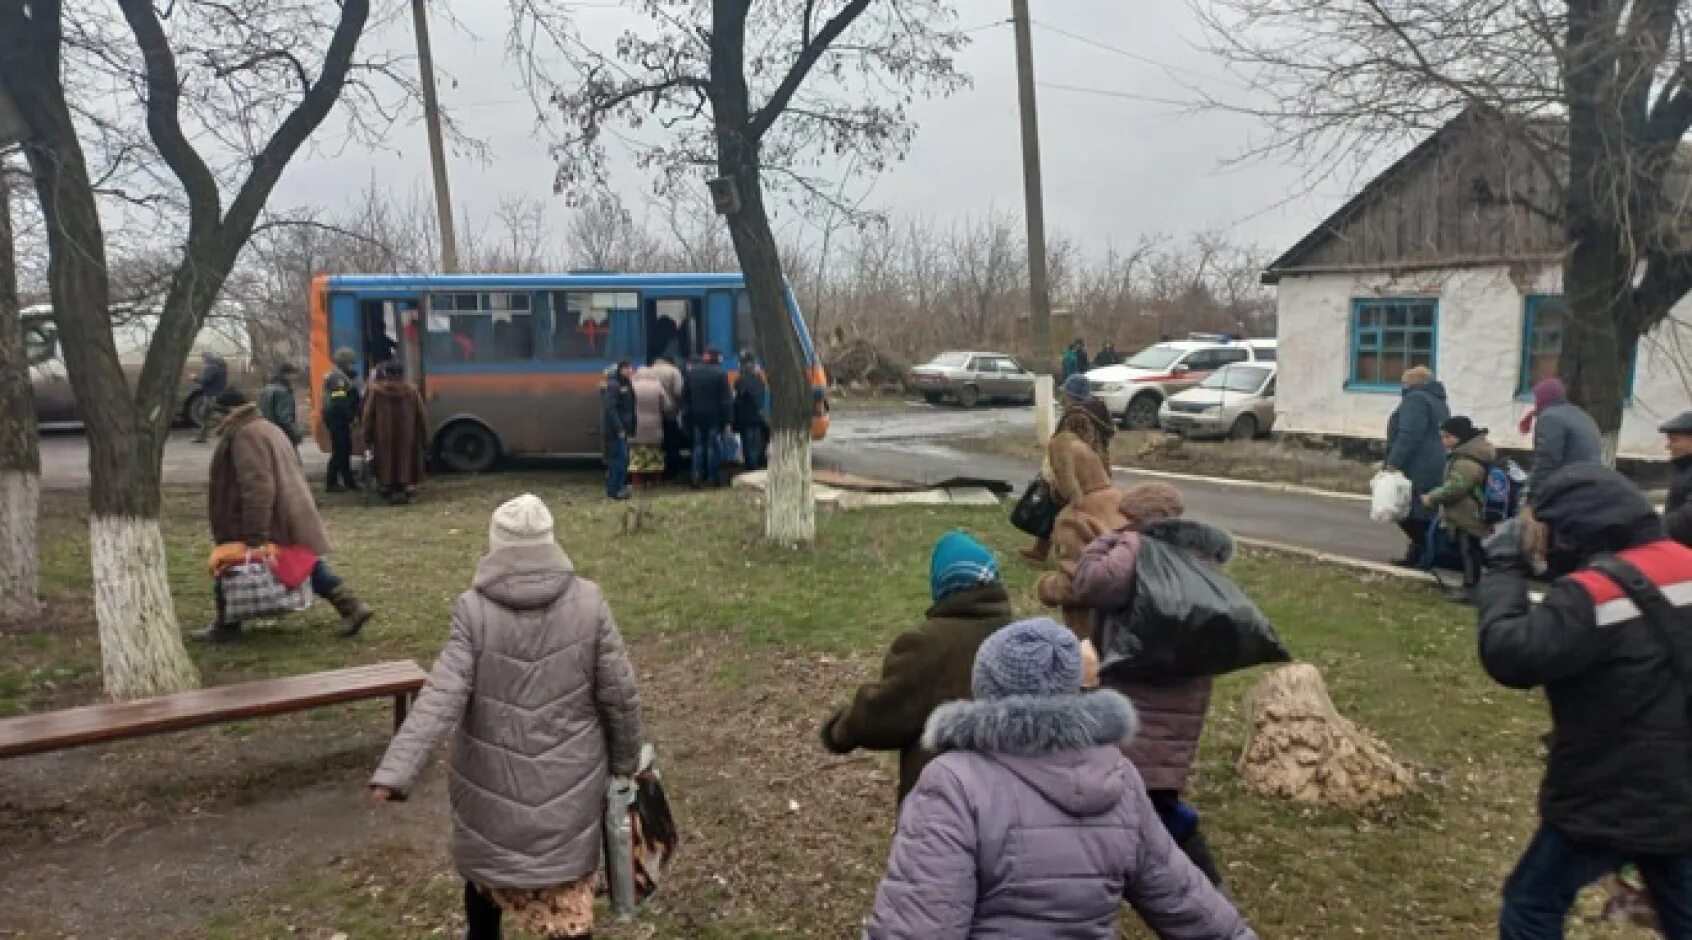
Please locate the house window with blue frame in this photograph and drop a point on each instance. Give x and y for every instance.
(1389, 336)
(1543, 323)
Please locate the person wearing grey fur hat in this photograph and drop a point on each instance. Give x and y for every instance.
(538, 685)
(1032, 823)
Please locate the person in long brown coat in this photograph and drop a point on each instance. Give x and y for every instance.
(396, 430)
(1087, 418)
(1082, 479)
(258, 500)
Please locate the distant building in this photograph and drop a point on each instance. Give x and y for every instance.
(1438, 262)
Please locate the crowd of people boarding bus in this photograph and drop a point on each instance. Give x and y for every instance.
(668, 422)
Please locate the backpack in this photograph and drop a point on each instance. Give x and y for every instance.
(1501, 492)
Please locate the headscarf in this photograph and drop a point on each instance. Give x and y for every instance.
(1090, 421)
(1547, 393)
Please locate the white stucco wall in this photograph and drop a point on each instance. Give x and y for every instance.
(1478, 355)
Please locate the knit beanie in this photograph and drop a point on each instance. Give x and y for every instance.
(1151, 502)
(1548, 392)
(960, 563)
(1461, 428)
(1038, 657)
(520, 523)
(1077, 387)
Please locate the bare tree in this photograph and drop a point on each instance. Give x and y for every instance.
(758, 97)
(20, 456)
(1597, 94)
(250, 97)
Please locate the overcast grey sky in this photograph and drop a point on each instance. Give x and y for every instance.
(1115, 167)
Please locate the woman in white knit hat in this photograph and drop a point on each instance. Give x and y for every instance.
(536, 679)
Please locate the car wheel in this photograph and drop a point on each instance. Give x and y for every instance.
(468, 448)
(1141, 413)
(196, 412)
(1244, 429)
(933, 398)
(969, 396)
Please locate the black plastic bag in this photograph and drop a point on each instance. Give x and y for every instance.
(1037, 511)
(1187, 620)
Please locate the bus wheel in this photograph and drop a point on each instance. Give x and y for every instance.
(467, 447)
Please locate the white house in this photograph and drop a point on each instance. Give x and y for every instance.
(1438, 262)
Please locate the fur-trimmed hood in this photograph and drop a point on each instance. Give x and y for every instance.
(1030, 726)
(1200, 538)
(1067, 748)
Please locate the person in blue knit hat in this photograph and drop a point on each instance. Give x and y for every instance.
(928, 666)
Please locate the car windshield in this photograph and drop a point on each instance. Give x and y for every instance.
(950, 360)
(1236, 378)
(1155, 357)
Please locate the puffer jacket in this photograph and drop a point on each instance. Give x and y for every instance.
(536, 679)
(1465, 473)
(1677, 514)
(1563, 434)
(1091, 508)
(652, 403)
(1412, 441)
(924, 669)
(1171, 713)
(1032, 824)
(1619, 773)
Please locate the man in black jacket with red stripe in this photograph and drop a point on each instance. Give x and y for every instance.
(1618, 782)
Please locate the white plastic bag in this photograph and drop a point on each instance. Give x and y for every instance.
(1389, 496)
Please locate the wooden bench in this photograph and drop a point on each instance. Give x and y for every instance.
(95, 724)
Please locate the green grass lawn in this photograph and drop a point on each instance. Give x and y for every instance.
(743, 647)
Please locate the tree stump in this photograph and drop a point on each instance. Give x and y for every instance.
(1298, 747)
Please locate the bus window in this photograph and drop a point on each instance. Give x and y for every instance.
(480, 327)
(745, 331)
(672, 329)
(582, 323)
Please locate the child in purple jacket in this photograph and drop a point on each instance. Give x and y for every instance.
(1032, 823)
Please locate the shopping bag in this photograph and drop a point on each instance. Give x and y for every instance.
(1187, 620)
(728, 448)
(1389, 496)
(1037, 511)
(640, 836)
(252, 591)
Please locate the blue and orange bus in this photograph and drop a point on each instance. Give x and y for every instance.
(512, 364)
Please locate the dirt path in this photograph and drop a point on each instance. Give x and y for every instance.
(154, 838)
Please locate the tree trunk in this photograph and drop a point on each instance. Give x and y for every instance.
(1299, 747)
(789, 509)
(20, 456)
(141, 648)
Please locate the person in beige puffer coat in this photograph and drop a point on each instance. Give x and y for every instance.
(537, 680)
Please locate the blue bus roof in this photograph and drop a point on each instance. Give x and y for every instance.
(538, 281)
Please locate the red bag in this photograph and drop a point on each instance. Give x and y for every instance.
(292, 565)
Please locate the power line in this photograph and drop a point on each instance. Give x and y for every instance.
(1127, 54)
(1111, 93)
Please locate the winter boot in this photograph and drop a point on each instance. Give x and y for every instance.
(354, 612)
(218, 632)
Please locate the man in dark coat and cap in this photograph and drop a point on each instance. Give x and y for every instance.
(1677, 515)
(1610, 643)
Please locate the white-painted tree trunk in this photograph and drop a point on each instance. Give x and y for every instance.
(20, 495)
(790, 508)
(1612, 448)
(141, 648)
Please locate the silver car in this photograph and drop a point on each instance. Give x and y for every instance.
(971, 378)
(1236, 401)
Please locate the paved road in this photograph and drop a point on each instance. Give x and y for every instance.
(910, 444)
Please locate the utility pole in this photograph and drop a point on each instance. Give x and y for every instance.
(1039, 292)
(437, 150)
